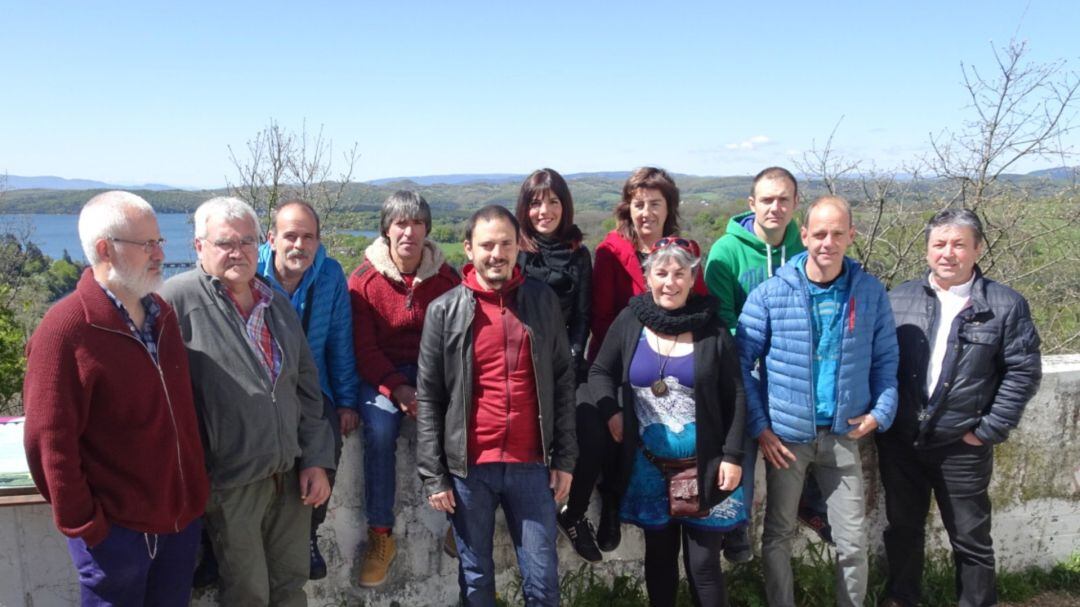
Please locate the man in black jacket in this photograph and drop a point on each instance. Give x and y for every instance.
(969, 363)
(495, 416)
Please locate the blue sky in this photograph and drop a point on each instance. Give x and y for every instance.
(156, 91)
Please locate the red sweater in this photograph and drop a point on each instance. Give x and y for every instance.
(505, 415)
(111, 437)
(616, 278)
(388, 314)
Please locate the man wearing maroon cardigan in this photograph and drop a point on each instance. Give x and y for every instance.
(111, 434)
(402, 273)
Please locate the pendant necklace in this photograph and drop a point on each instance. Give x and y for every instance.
(659, 387)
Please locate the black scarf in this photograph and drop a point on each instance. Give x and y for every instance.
(699, 310)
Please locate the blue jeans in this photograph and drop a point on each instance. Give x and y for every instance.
(382, 425)
(121, 571)
(525, 495)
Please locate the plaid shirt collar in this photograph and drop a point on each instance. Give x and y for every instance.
(258, 333)
(144, 334)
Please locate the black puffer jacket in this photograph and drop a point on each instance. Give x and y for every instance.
(568, 271)
(444, 383)
(990, 372)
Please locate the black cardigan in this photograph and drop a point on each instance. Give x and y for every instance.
(719, 400)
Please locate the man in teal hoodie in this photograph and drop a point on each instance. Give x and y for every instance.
(756, 244)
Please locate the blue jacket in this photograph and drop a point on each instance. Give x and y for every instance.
(329, 323)
(775, 328)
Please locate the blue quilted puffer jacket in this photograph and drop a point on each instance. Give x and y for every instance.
(775, 329)
(328, 322)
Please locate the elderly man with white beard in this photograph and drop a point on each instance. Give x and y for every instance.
(111, 434)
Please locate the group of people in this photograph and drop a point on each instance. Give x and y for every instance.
(215, 403)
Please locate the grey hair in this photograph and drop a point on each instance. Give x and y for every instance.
(680, 255)
(404, 204)
(224, 207)
(957, 217)
(103, 215)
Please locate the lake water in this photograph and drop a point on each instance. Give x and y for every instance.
(54, 234)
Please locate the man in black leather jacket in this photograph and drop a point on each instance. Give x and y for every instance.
(969, 363)
(495, 418)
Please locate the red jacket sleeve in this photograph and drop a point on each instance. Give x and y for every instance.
(372, 365)
(56, 401)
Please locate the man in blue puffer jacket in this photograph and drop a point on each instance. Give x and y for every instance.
(818, 349)
(295, 263)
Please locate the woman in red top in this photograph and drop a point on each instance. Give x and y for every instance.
(648, 211)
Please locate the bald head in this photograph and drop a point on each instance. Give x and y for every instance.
(826, 234)
(835, 202)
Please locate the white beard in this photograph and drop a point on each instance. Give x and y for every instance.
(137, 283)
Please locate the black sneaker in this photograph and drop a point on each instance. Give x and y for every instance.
(609, 535)
(580, 533)
(318, 565)
(737, 546)
(818, 522)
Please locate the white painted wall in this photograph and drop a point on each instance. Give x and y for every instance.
(1040, 463)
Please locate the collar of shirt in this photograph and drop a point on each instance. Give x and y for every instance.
(962, 291)
(145, 333)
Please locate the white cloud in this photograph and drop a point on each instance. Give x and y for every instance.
(749, 144)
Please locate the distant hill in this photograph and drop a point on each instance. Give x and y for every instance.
(462, 179)
(1057, 173)
(49, 182)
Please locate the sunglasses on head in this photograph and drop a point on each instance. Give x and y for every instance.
(668, 241)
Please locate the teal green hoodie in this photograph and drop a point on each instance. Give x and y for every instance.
(739, 261)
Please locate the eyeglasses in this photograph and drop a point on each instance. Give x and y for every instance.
(682, 243)
(228, 246)
(148, 246)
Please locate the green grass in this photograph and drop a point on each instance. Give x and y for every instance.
(814, 579)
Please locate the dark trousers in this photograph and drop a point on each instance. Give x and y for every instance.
(134, 568)
(318, 515)
(959, 475)
(701, 559)
(597, 453)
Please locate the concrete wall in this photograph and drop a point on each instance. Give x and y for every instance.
(1036, 496)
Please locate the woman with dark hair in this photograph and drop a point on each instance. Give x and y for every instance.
(668, 382)
(647, 212)
(552, 252)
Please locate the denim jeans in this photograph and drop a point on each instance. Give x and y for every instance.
(382, 425)
(525, 495)
(121, 571)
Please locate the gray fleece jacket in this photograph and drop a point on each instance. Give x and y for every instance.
(250, 428)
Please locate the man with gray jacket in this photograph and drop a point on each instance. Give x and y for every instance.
(257, 394)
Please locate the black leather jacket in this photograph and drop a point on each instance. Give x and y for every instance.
(445, 382)
(991, 370)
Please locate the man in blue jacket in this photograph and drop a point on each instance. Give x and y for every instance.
(295, 263)
(818, 349)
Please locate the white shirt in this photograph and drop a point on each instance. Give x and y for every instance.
(950, 303)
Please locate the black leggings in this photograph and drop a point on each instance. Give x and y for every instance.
(597, 453)
(701, 558)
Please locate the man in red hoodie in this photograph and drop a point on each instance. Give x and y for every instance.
(111, 435)
(496, 418)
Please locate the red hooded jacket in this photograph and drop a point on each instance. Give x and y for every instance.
(506, 426)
